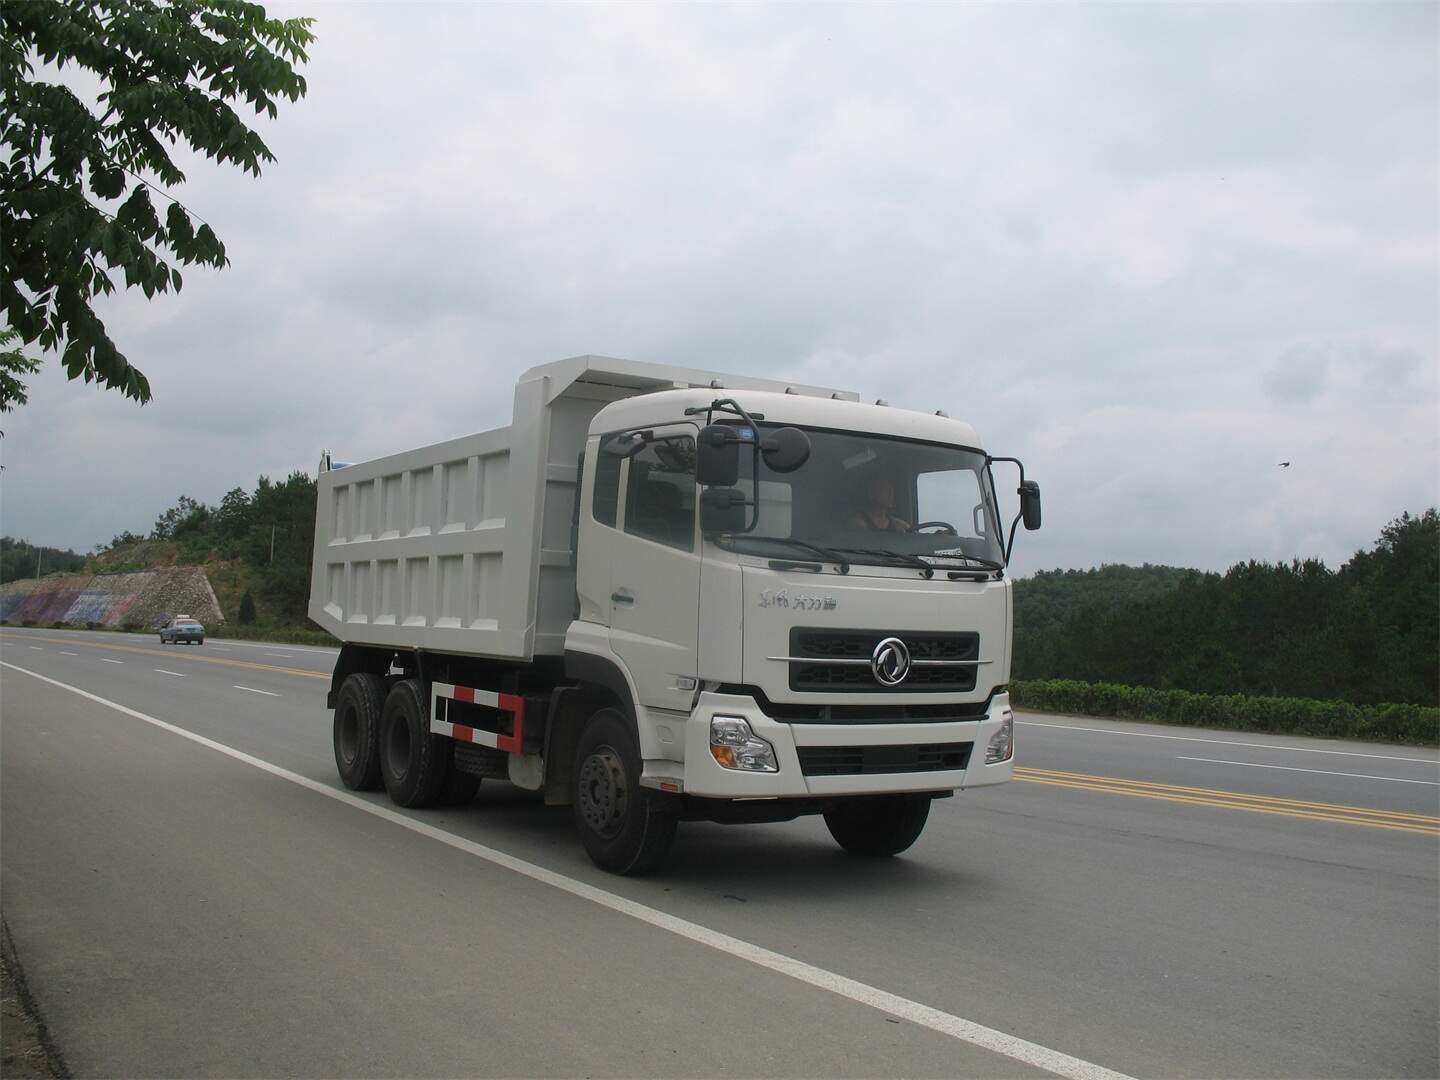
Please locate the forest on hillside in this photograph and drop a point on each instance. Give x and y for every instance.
(22, 559)
(1366, 633)
(271, 529)
(269, 532)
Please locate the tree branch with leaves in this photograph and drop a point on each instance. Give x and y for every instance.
(78, 189)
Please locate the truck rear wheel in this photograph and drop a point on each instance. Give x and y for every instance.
(625, 828)
(413, 762)
(357, 731)
(877, 826)
(459, 788)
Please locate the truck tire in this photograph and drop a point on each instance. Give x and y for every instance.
(413, 762)
(626, 829)
(878, 826)
(459, 788)
(357, 731)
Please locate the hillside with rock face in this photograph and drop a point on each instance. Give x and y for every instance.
(141, 599)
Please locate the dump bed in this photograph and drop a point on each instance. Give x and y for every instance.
(464, 546)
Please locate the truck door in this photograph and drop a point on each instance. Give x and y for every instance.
(655, 570)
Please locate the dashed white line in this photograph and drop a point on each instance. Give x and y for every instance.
(177, 674)
(107, 660)
(1232, 742)
(1322, 772)
(287, 655)
(37, 648)
(252, 690)
(64, 653)
(956, 1027)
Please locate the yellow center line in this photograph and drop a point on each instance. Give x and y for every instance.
(1266, 800)
(1252, 808)
(172, 655)
(1238, 801)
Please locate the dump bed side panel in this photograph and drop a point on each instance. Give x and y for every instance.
(410, 549)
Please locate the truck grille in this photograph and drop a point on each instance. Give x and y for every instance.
(869, 760)
(827, 660)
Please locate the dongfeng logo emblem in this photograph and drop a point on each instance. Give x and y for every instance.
(890, 662)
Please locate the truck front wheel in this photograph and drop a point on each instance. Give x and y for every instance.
(357, 731)
(878, 825)
(625, 828)
(413, 762)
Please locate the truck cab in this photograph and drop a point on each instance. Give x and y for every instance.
(846, 631)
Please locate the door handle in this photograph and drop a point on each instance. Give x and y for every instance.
(622, 597)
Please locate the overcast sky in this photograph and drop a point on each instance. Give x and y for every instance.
(1152, 249)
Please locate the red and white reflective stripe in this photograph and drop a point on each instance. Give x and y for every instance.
(511, 703)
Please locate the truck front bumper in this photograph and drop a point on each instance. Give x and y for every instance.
(704, 776)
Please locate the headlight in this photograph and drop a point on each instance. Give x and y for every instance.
(1002, 743)
(735, 746)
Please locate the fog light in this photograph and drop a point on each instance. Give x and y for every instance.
(735, 746)
(1002, 743)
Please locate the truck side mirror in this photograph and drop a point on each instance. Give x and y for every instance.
(1030, 504)
(785, 449)
(722, 510)
(717, 456)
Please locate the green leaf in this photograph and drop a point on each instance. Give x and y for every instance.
(107, 182)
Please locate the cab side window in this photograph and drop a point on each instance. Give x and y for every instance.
(606, 501)
(660, 493)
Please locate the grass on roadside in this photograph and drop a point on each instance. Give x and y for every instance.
(1416, 725)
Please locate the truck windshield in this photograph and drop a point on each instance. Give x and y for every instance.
(877, 500)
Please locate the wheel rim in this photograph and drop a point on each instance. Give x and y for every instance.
(604, 795)
(398, 749)
(349, 734)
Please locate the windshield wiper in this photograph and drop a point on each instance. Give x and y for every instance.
(988, 564)
(828, 554)
(902, 557)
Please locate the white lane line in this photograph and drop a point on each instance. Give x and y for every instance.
(64, 653)
(37, 648)
(1322, 772)
(177, 674)
(1233, 742)
(252, 690)
(284, 654)
(107, 660)
(893, 1004)
(222, 648)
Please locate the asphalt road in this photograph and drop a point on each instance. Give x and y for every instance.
(1150, 900)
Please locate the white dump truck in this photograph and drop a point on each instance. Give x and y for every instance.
(664, 594)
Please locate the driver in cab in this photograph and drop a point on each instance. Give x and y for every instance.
(877, 506)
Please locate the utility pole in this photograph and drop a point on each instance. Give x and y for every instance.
(272, 543)
(39, 557)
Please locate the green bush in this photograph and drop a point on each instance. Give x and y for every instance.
(246, 616)
(1415, 724)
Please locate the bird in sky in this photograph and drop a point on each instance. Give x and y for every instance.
(1284, 464)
